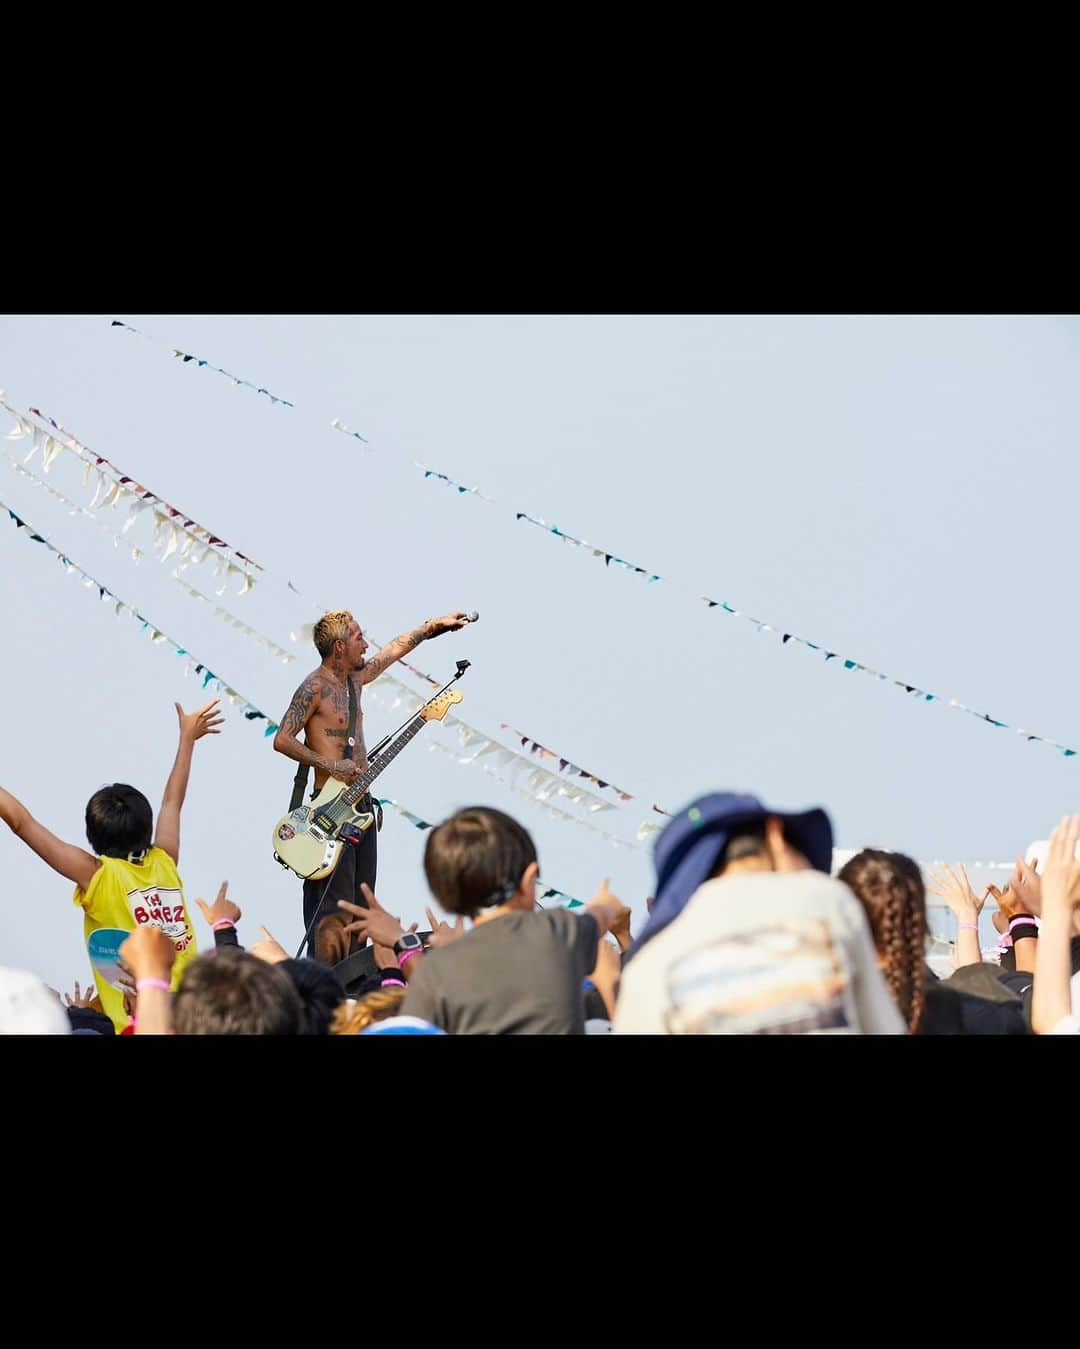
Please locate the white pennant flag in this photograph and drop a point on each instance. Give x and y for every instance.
(98, 487)
(35, 444)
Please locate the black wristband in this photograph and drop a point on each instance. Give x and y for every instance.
(1022, 931)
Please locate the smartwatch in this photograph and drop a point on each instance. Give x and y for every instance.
(408, 941)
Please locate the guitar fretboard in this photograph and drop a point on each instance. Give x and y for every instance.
(353, 794)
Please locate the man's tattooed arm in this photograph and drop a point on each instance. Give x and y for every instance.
(392, 651)
(304, 705)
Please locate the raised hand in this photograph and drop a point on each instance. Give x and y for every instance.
(269, 949)
(449, 622)
(1026, 885)
(221, 909)
(374, 922)
(206, 721)
(784, 856)
(1061, 880)
(955, 889)
(149, 953)
(442, 932)
(80, 999)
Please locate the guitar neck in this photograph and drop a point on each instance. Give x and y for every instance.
(353, 794)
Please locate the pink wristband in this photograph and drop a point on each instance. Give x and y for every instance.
(222, 922)
(392, 983)
(406, 955)
(163, 984)
(1022, 920)
(969, 927)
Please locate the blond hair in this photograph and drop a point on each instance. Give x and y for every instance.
(353, 1017)
(329, 629)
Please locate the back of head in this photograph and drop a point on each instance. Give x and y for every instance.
(231, 992)
(28, 1008)
(889, 886)
(119, 821)
(476, 859)
(320, 992)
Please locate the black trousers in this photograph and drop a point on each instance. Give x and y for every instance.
(329, 943)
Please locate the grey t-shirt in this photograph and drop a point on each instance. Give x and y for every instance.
(519, 974)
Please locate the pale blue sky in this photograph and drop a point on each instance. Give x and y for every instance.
(900, 489)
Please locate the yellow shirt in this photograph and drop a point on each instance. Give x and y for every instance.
(121, 896)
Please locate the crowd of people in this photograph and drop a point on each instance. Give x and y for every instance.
(747, 932)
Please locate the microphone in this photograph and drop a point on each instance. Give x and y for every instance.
(471, 617)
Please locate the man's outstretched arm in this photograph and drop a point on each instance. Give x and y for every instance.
(408, 641)
(75, 863)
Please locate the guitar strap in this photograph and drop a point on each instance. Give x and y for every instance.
(303, 770)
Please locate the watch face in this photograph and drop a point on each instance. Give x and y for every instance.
(408, 941)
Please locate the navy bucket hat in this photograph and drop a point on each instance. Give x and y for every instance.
(692, 844)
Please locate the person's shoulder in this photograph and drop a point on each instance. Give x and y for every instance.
(162, 862)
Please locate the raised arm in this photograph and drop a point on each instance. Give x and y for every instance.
(75, 863)
(1052, 999)
(408, 641)
(304, 705)
(193, 726)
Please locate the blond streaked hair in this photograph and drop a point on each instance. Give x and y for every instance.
(353, 1017)
(329, 629)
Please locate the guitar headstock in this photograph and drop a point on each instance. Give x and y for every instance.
(438, 707)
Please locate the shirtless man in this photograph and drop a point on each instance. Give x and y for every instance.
(320, 708)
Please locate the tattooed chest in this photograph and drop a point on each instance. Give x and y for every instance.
(333, 718)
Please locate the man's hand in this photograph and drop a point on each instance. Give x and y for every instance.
(194, 725)
(149, 953)
(269, 949)
(374, 922)
(448, 623)
(1061, 881)
(221, 908)
(442, 932)
(345, 770)
(80, 999)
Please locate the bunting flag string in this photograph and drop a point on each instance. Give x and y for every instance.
(457, 486)
(286, 657)
(541, 785)
(786, 635)
(538, 799)
(166, 546)
(185, 358)
(339, 425)
(157, 635)
(565, 765)
(549, 892)
(920, 695)
(112, 487)
(278, 652)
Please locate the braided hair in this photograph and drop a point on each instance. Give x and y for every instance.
(890, 888)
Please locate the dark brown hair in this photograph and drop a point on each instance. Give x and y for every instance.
(476, 859)
(890, 888)
(231, 992)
